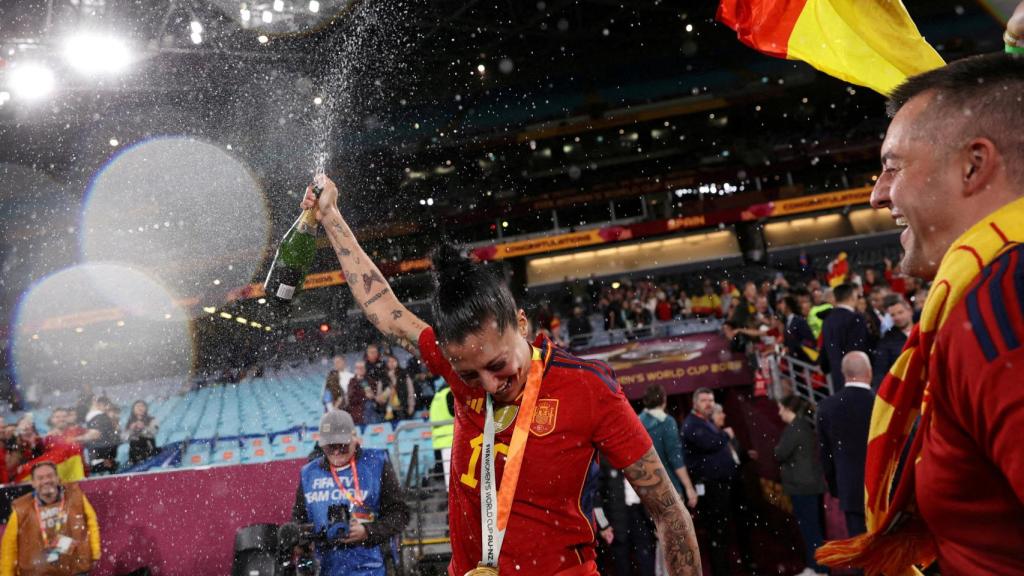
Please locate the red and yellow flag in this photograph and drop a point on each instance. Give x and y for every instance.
(66, 456)
(872, 43)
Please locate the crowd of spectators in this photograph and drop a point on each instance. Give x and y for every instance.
(92, 428)
(817, 316)
(379, 388)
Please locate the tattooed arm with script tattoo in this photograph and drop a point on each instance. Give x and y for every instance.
(673, 522)
(368, 286)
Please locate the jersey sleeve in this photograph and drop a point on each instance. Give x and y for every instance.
(435, 361)
(618, 433)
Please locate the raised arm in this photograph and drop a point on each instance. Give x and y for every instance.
(675, 527)
(369, 288)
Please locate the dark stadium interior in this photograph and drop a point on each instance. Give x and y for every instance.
(492, 124)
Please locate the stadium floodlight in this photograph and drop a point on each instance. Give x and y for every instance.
(97, 54)
(31, 81)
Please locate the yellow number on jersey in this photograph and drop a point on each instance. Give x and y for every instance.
(469, 478)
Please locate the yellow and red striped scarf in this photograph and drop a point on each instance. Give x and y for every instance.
(897, 538)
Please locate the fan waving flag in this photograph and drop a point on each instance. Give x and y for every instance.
(872, 43)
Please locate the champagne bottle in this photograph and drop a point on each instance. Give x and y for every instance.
(293, 258)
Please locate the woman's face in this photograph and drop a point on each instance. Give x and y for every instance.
(139, 409)
(360, 370)
(786, 414)
(718, 417)
(392, 363)
(497, 361)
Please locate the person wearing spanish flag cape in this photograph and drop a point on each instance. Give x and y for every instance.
(529, 420)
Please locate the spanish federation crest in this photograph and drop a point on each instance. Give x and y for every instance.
(544, 417)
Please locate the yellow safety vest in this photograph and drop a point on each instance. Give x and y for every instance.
(439, 413)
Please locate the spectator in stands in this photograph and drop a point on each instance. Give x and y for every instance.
(878, 321)
(891, 345)
(802, 476)
(579, 328)
(683, 305)
(55, 423)
(102, 438)
(843, 422)
(334, 398)
(30, 443)
(612, 312)
(375, 365)
(84, 404)
(52, 530)
(361, 480)
(114, 412)
(869, 281)
(361, 396)
(142, 429)
(639, 320)
(396, 398)
(630, 530)
(712, 468)
(897, 280)
(822, 301)
(708, 304)
(663, 308)
(730, 295)
(344, 374)
(12, 459)
(664, 432)
(798, 340)
(843, 331)
(422, 384)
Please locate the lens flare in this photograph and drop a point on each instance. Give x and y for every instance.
(98, 324)
(184, 211)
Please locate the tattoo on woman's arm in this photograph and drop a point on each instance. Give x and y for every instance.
(652, 485)
(375, 297)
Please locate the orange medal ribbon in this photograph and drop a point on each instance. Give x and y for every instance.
(493, 529)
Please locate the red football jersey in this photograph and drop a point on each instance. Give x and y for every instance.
(970, 473)
(580, 410)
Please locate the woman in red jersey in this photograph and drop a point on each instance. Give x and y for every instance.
(547, 412)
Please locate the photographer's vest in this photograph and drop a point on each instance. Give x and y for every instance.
(31, 544)
(320, 488)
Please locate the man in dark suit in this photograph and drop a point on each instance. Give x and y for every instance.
(713, 469)
(891, 344)
(843, 422)
(798, 339)
(844, 331)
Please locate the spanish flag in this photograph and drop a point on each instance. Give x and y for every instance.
(66, 456)
(872, 43)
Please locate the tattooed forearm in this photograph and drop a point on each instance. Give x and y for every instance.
(410, 346)
(341, 229)
(370, 278)
(374, 298)
(675, 528)
(372, 318)
(396, 314)
(342, 251)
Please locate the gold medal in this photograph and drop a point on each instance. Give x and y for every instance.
(483, 571)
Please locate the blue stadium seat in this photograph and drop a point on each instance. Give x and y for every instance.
(256, 450)
(227, 452)
(378, 436)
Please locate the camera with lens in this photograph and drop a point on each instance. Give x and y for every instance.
(338, 517)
